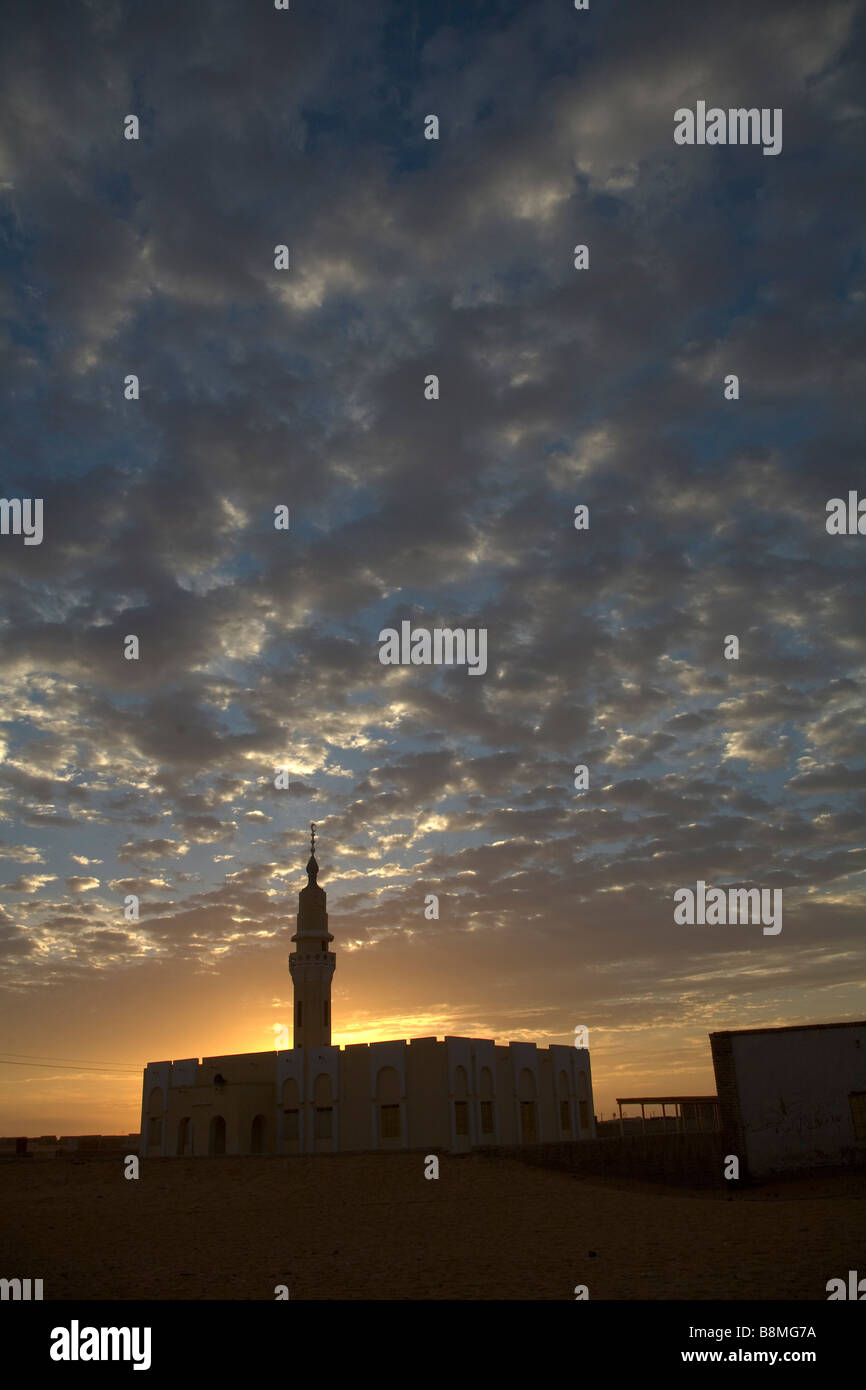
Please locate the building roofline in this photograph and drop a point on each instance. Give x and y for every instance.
(790, 1028)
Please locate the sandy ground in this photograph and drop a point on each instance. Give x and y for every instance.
(371, 1226)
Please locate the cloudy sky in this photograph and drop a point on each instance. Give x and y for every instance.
(304, 388)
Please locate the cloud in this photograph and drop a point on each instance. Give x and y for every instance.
(135, 850)
(24, 854)
(28, 883)
(557, 387)
(81, 885)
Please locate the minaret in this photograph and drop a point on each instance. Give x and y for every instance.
(312, 965)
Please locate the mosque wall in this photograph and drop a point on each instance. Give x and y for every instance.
(446, 1096)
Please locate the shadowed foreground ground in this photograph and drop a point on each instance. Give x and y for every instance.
(371, 1226)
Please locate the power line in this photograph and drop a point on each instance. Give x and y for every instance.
(85, 1061)
(63, 1066)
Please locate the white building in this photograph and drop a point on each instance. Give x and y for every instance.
(792, 1097)
(451, 1095)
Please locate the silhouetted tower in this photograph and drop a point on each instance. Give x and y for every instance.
(312, 965)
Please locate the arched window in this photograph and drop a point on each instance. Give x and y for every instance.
(184, 1137)
(526, 1085)
(258, 1135)
(217, 1137)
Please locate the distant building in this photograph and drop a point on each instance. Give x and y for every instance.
(686, 1113)
(49, 1146)
(451, 1095)
(792, 1097)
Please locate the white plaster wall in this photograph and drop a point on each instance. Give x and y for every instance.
(484, 1055)
(388, 1054)
(581, 1063)
(354, 1090)
(793, 1088)
(155, 1074)
(323, 1061)
(184, 1073)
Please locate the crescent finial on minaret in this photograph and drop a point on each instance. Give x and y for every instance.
(312, 866)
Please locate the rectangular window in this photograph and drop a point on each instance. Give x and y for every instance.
(857, 1101)
(461, 1117)
(299, 1009)
(389, 1122)
(487, 1117)
(565, 1116)
(325, 1006)
(291, 1124)
(154, 1135)
(323, 1122)
(584, 1115)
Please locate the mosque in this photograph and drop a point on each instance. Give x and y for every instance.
(449, 1096)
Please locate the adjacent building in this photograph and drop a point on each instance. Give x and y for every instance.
(792, 1097)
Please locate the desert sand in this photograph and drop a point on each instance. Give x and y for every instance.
(372, 1227)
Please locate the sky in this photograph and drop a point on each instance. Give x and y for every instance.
(304, 388)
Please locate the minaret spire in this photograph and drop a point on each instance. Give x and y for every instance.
(312, 865)
(312, 964)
